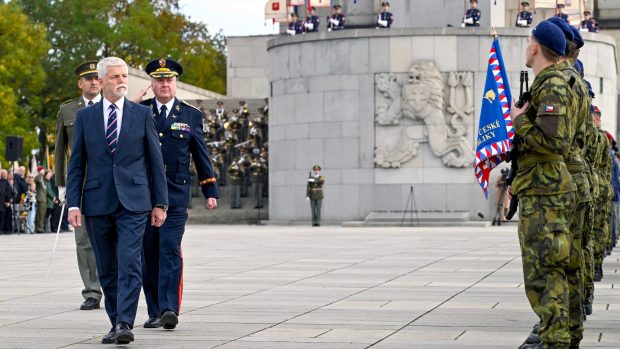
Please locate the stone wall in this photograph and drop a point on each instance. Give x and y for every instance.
(323, 110)
(247, 66)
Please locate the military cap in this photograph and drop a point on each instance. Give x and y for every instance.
(294, 15)
(568, 33)
(337, 6)
(595, 109)
(577, 38)
(163, 68)
(473, 1)
(525, 3)
(87, 69)
(550, 36)
(316, 167)
(219, 103)
(385, 3)
(560, 6)
(587, 13)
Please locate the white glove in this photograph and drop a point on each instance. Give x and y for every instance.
(522, 23)
(309, 26)
(334, 21)
(291, 32)
(382, 23)
(62, 194)
(468, 20)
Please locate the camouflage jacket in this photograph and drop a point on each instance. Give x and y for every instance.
(575, 158)
(547, 129)
(605, 166)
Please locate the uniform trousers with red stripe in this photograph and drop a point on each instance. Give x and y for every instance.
(162, 264)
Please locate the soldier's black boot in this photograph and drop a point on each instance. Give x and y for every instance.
(532, 340)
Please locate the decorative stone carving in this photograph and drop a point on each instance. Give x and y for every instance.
(406, 101)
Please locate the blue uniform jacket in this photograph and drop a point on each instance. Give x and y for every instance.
(180, 135)
(315, 22)
(473, 13)
(524, 16)
(389, 17)
(341, 20)
(134, 176)
(296, 26)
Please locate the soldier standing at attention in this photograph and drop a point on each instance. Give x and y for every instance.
(87, 264)
(314, 193)
(294, 26)
(337, 20)
(472, 15)
(386, 18)
(544, 186)
(524, 18)
(180, 130)
(235, 176)
(312, 22)
(559, 12)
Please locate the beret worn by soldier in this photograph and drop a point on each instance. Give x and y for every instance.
(87, 70)
(163, 68)
(550, 36)
(577, 38)
(568, 33)
(579, 67)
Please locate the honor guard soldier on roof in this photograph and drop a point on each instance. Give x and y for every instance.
(295, 26)
(337, 20)
(90, 87)
(312, 22)
(314, 193)
(524, 18)
(386, 18)
(179, 126)
(472, 15)
(544, 187)
(560, 12)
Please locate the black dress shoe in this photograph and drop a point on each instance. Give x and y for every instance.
(90, 304)
(169, 320)
(123, 334)
(153, 322)
(109, 338)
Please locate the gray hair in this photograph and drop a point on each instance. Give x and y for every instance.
(102, 66)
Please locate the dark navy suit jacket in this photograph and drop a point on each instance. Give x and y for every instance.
(134, 176)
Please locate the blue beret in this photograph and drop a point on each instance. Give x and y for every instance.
(577, 39)
(590, 92)
(560, 22)
(550, 36)
(579, 67)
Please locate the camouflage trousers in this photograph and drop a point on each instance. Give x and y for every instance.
(545, 239)
(588, 251)
(575, 273)
(602, 232)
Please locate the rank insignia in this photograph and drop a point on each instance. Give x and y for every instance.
(162, 62)
(178, 108)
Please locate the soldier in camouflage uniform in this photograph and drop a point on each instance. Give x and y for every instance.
(544, 186)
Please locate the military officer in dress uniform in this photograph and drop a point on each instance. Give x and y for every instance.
(559, 12)
(295, 26)
(314, 193)
(472, 15)
(179, 126)
(337, 20)
(312, 22)
(524, 18)
(386, 18)
(90, 87)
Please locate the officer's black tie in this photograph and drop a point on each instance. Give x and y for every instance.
(90, 103)
(162, 117)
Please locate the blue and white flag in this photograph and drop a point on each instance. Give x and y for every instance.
(495, 131)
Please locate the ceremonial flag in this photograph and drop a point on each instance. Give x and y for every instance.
(276, 10)
(495, 131)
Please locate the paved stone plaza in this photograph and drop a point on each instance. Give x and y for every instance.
(249, 287)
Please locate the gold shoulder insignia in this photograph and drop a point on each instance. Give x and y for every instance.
(189, 105)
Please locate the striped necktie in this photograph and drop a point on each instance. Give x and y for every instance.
(110, 132)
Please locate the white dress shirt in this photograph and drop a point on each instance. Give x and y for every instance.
(168, 106)
(119, 114)
(94, 100)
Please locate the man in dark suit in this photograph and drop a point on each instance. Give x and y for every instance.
(116, 177)
(90, 87)
(5, 198)
(180, 132)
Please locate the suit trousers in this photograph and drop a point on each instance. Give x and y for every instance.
(87, 264)
(117, 241)
(162, 266)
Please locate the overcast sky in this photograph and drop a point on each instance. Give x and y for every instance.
(233, 17)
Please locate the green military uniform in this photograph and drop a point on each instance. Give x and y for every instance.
(578, 170)
(235, 177)
(547, 201)
(602, 213)
(258, 169)
(41, 197)
(314, 192)
(65, 122)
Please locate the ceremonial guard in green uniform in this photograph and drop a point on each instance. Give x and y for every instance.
(258, 168)
(314, 193)
(90, 87)
(235, 177)
(544, 187)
